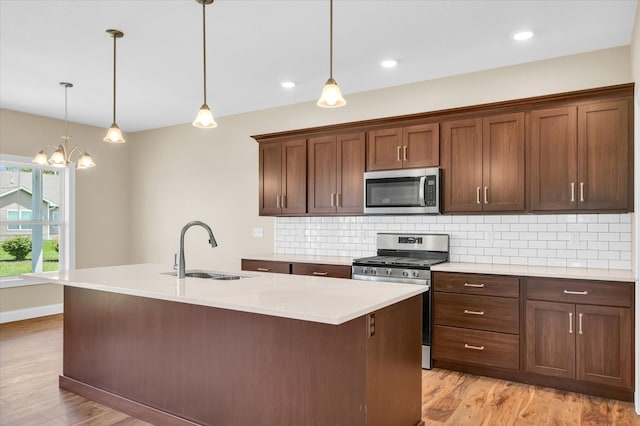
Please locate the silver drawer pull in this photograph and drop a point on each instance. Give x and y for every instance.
(320, 273)
(263, 269)
(466, 311)
(582, 293)
(477, 348)
(474, 285)
(570, 323)
(579, 323)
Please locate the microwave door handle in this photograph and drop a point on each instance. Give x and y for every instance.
(423, 182)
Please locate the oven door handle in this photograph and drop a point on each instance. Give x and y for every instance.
(423, 182)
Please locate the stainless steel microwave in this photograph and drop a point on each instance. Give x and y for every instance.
(405, 191)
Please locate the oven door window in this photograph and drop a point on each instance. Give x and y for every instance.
(395, 192)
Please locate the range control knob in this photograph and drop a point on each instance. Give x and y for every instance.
(405, 273)
(373, 271)
(416, 273)
(389, 271)
(364, 270)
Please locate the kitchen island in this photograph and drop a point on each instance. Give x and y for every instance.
(266, 349)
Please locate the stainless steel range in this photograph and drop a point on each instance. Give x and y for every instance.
(407, 258)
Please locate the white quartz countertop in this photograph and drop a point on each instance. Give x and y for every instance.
(537, 271)
(318, 299)
(325, 260)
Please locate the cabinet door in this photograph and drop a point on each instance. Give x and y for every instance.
(384, 149)
(604, 339)
(322, 183)
(550, 338)
(503, 162)
(553, 150)
(462, 165)
(421, 146)
(603, 155)
(294, 177)
(270, 172)
(350, 177)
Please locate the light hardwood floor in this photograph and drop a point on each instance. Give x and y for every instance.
(31, 360)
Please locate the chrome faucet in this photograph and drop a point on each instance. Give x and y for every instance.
(212, 241)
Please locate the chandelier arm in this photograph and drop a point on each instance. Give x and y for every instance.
(80, 149)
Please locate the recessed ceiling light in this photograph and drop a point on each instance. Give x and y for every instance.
(288, 84)
(389, 63)
(523, 35)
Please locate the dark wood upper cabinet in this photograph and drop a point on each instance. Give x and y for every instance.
(483, 164)
(336, 168)
(579, 157)
(407, 147)
(283, 178)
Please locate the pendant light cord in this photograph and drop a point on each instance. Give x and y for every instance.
(114, 77)
(204, 51)
(331, 39)
(66, 114)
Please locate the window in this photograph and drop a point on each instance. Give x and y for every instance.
(36, 206)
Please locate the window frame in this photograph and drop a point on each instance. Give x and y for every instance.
(66, 222)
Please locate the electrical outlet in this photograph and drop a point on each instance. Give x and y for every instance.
(258, 232)
(372, 324)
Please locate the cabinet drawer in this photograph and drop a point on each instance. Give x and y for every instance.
(478, 312)
(580, 291)
(476, 347)
(266, 266)
(487, 285)
(321, 270)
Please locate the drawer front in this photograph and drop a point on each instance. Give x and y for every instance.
(476, 347)
(477, 312)
(266, 266)
(486, 285)
(580, 291)
(321, 270)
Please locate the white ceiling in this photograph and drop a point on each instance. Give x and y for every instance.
(253, 45)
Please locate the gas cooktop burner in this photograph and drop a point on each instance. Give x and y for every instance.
(397, 261)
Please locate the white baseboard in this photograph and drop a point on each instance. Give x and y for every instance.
(28, 313)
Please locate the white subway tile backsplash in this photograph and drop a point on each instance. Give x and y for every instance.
(584, 240)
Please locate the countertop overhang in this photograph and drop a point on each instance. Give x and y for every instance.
(317, 299)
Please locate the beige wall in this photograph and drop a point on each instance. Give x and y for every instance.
(181, 173)
(102, 200)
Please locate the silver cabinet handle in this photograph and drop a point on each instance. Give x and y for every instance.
(263, 269)
(333, 203)
(478, 194)
(474, 285)
(278, 201)
(284, 202)
(338, 199)
(582, 192)
(579, 323)
(570, 323)
(399, 148)
(477, 348)
(573, 192)
(322, 274)
(486, 197)
(404, 152)
(466, 311)
(581, 293)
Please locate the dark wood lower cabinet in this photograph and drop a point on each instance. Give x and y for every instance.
(298, 268)
(174, 363)
(575, 335)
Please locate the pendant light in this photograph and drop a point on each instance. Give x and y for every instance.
(114, 134)
(331, 96)
(61, 157)
(204, 119)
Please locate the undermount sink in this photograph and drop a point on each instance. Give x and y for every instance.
(210, 275)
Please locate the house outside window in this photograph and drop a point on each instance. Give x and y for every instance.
(36, 210)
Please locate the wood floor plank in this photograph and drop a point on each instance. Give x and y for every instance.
(31, 360)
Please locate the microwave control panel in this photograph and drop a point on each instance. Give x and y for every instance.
(430, 192)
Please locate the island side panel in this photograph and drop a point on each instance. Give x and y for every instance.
(216, 366)
(394, 360)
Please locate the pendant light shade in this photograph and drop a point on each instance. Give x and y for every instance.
(331, 96)
(61, 157)
(204, 118)
(114, 134)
